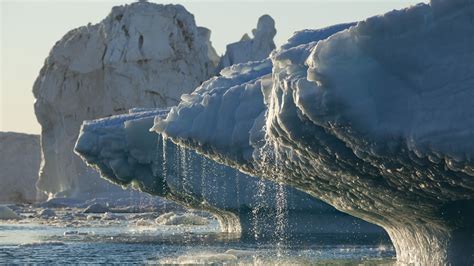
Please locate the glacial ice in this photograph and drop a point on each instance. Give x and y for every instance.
(19, 164)
(125, 152)
(251, 49)
(376, 120)
(142, 54)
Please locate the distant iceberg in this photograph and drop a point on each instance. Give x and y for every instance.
(376, 120)
(251, 49)
(20, 158)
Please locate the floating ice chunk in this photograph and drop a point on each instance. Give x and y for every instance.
(42, 243)
(47, 213)
(96, 208)
(203, 259)
(240, 253)
(19, 163)
(8, 214)
(172, 218)
(144, 222)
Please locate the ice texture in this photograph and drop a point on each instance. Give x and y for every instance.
(19, 164)
(125, 152)
(251, 49)
(376, 120)
(141, 54)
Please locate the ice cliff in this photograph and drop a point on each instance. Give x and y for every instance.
(125, 152)
(376, 120)
(141, 54)
(251, 49)
(19, 164)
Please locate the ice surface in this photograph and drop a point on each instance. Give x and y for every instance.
(19, 164)
(141, 54)
(376, 120)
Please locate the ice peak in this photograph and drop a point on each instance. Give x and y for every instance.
(251, 49)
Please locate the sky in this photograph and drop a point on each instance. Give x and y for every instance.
(29, 29)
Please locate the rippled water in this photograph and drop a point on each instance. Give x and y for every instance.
(132, 238)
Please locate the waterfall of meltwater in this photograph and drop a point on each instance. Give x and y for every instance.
(281, 218)
(257, 211)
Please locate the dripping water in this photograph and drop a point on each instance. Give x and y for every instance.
(257, 211)
(281, 200)
(164, 164)
(184, 171)
(281, 218)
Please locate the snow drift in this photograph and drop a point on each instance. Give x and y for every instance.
(19, 164)
(125, 152)
(141, 54)
(376, 120)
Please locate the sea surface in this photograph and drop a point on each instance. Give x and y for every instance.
(70, 236)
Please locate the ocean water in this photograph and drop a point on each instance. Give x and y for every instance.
(73, 237)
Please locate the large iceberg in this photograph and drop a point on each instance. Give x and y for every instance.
(19, 164)
(125, 152)
(376, 120)
(142, 54)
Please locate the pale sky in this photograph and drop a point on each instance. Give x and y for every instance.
(30, 28)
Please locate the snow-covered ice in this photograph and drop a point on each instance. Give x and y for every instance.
(172, 218)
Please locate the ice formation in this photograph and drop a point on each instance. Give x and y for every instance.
(8, 214)
(172, 218)
(251, 49)
(125, 152)
(376, 120)
(19, 164)
(142, 54)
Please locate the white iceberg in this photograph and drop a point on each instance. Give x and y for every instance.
(142, 54)
(251, 49)
(376, 120)
(19, 163)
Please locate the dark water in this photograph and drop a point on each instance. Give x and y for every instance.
(130, 238)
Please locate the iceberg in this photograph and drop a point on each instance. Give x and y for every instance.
(376, 120)
(142, 54)
(126, 153)
(251, 49)
(19, 164)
